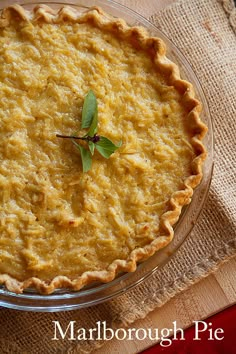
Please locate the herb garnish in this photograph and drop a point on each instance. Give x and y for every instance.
(90, 120)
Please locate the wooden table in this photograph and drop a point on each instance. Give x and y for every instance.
(209, 296)
(200, 301)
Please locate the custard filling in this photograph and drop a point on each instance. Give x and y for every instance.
(55, 219)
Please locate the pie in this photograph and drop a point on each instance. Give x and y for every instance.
(61, 227)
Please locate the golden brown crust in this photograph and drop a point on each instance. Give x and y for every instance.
(155, 48)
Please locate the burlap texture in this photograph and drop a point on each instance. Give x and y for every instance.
(202, 31)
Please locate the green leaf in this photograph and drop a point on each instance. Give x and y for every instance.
(91, 147)
(94, 125)
(90, 120)
(106, 147)
(85, 157)
(89, 109)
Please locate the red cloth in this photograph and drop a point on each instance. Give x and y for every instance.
(225, 320)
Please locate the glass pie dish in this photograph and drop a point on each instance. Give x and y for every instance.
(63, 299)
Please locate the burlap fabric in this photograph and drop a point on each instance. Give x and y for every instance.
(203, 30)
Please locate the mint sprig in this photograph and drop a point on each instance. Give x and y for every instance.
(90, 120)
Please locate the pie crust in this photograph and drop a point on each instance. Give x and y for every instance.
(148, 238)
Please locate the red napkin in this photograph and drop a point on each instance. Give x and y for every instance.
(225, 320)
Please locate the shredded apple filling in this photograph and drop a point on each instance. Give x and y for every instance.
(55, 219)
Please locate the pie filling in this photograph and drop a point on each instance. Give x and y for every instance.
(56, 220)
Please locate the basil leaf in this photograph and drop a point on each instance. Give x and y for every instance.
(106, 147)
(94, 125)
(85, 157)
(91, 147)
(89, 109)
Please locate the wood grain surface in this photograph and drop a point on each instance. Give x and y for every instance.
(200, 301)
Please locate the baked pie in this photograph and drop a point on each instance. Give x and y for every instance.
(61, 227)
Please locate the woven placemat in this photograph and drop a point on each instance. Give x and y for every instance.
(204, 32)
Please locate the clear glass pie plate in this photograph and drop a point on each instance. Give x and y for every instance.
(63, 300)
